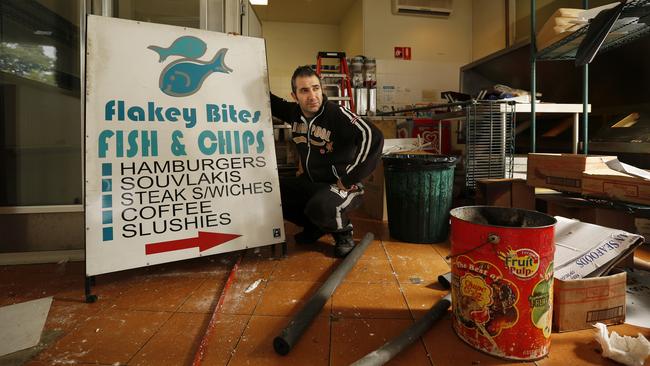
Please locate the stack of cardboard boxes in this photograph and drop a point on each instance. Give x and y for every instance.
(595, 176)
(581, 302)
(374, 202)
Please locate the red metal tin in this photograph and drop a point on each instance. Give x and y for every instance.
(502, 280)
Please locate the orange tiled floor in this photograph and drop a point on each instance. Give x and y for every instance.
(158, 315)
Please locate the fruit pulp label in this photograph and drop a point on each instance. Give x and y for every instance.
(522, 263)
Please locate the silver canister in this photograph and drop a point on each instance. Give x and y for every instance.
(370, 72)
(356, 69)
(372, 101)
(361, 100)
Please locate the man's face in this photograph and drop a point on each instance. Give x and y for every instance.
(308, 95)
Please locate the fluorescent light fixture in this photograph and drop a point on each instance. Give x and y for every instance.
(259, 2)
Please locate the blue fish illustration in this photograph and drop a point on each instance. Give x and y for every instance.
(185, 77)
(187, 46)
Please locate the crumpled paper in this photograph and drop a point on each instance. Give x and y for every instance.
(631, 351)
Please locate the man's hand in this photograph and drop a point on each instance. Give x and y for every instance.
(342, 187)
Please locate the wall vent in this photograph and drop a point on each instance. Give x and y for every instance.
(430, 8)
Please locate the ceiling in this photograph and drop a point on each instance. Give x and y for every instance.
(303, 11)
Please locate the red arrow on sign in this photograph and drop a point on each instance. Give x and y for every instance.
(204, 241)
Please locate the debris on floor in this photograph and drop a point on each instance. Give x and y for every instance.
(253, 286)
(22, 324)
(631, 351)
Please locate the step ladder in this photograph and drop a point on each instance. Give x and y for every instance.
(338, 78)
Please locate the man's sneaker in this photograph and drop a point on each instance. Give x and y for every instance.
(344, 243)
(308, 235)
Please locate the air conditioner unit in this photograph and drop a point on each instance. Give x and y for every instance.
(431, 8)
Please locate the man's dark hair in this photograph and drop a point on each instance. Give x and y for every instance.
(302, 71)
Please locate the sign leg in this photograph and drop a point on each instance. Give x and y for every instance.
(89, 281)
(283, 250)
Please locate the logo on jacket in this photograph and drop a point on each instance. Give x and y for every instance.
(329, 147)
(185, 76)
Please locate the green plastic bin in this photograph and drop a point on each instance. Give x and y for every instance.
(418, 194)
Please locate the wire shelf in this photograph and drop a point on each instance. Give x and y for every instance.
(631, 25)
(490, 141)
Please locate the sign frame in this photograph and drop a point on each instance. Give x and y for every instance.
(179, 157)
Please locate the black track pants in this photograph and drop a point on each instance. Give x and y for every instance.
(309, 204)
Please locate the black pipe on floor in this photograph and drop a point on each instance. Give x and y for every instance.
(393, 347)
(297, 326)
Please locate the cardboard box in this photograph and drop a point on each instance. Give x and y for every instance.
(493, 192)
(519, 166)
(578, 304)
(588, 287)
(388, 127)
(590, 176)
(618, 186)
(374, 197)
(505, 193)
(643, 227)
(563, 172)
(561, 24)
(523, 195)
(584, 250)
(586, 211)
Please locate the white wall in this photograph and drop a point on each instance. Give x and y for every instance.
(351, 30)
(488, 27)
(439, 46)
(289, 45)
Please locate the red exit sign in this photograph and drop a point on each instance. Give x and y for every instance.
(403, 53)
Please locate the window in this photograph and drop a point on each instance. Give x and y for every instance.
(40, 130)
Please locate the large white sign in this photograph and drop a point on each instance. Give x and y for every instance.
(180, 159)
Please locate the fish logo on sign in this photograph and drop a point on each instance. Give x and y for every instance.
(185, 76)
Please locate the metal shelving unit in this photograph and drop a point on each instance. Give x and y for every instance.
(633, 23)
(490, 141)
